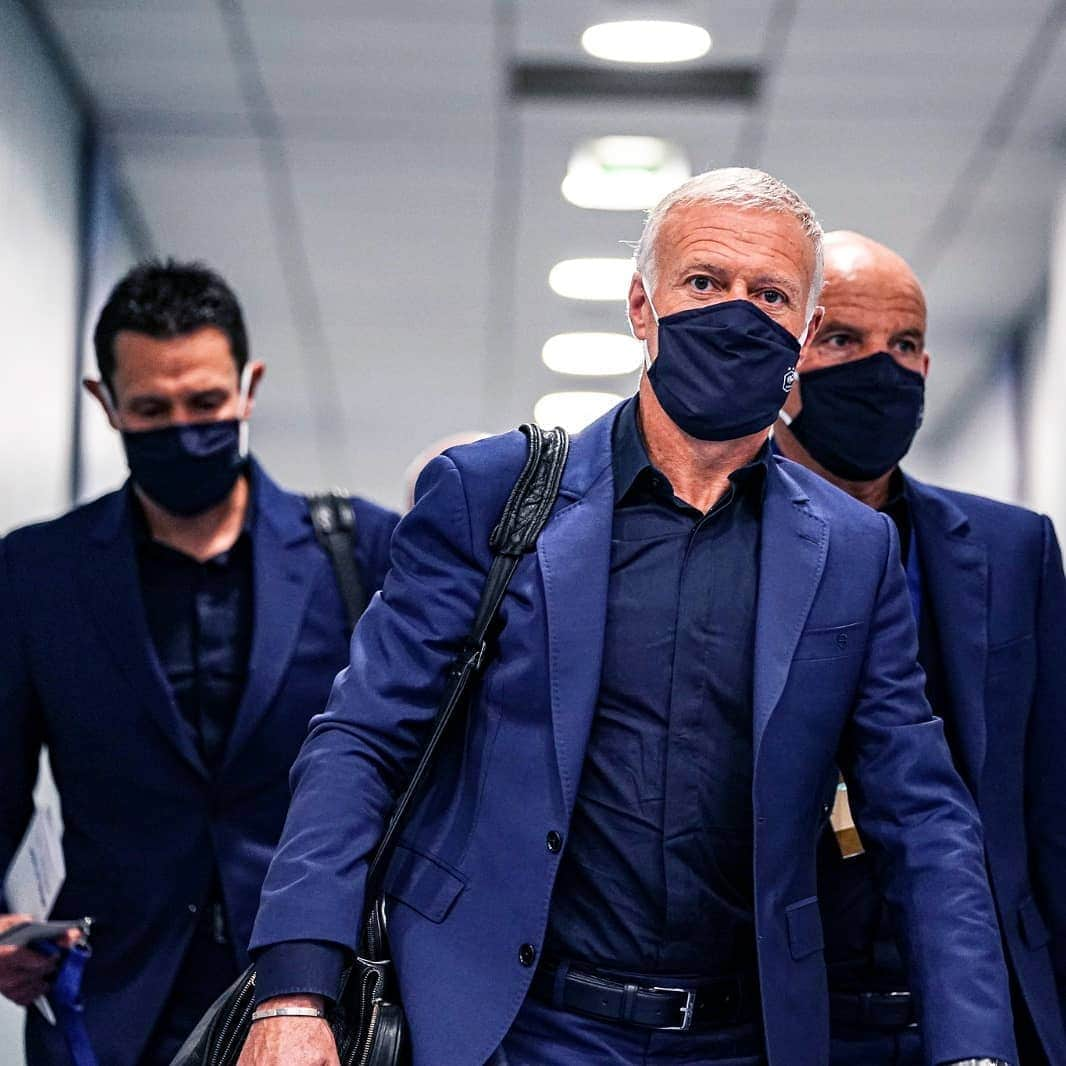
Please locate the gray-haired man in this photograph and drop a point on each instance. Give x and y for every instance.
(617, 862)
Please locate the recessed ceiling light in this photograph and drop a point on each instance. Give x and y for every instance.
(623, 173)
(592, 354)
(646, 41)
(592, 279)
(573, 410)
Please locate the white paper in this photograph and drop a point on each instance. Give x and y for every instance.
(37, 872)
(36, 875)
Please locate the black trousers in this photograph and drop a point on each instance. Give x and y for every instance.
(208, 969)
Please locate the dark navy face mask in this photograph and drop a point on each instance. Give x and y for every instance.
(188, 468)
(859, 418)
(723, 371)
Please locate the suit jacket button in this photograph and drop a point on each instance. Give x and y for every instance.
(555, 842)
(526, 954)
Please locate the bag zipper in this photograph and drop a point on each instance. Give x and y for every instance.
(371, 1028)
(234, 1024)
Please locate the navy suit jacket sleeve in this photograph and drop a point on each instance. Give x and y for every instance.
(20, 725)
(920, 826)
(1046, 798)
(359, 753)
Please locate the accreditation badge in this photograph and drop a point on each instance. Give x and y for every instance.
(848, 839)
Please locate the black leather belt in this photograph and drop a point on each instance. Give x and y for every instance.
(874, 1010)
(726, 1001)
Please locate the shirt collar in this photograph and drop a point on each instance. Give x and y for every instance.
(898, 508)
(630, 456)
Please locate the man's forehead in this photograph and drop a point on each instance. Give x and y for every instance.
(754, 234)
(200, 360)
(873, 297)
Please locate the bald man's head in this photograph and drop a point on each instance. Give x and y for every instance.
(873, 303)
(861, 393)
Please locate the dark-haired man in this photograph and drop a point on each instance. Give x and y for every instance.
(987, 589)
(169, 643)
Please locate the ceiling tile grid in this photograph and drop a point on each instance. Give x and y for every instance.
(386, 166)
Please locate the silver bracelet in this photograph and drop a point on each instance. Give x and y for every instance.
(288, 1012)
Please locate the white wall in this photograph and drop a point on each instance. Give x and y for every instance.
(40, 148)
(111, 253)
(1045, 482)
(40, 141)
(977, 451)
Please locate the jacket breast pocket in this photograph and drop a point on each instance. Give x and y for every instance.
(830, 642)
(804, 928)
(1011, 656)
(424, 883)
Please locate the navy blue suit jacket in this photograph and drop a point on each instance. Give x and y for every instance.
(994, 581)
(144, 823)
(835, 679)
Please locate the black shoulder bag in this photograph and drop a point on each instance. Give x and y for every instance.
(367, 1020)
(334, 523)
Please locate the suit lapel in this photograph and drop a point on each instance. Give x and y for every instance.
(110, 587)
(286, 563)
(574, 553)
(792, 554)
(955, 578)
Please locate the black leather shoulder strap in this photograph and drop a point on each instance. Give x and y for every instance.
(524, 515)
(334, 523)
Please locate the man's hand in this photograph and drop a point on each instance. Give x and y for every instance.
(290, 1041)
(26, 974)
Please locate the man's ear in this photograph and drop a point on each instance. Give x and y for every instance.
(638, 308)
(927, 362)
(255, 372)
(102, 394)
(815, 324)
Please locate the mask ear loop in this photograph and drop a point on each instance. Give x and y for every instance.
(109, 403)
(783, 414)
(242, 410)
(654, 314)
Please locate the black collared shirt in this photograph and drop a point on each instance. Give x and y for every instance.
(657, 874)
(200, 620)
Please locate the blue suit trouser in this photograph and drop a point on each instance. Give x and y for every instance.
(542, 1035)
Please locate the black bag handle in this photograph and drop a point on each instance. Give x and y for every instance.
(333, 520)
(524, 515)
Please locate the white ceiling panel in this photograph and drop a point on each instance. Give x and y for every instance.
(392, 246)
(552, 31)
(153, 58)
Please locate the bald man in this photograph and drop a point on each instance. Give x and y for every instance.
(987, 589)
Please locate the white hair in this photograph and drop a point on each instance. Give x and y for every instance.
(736, 187)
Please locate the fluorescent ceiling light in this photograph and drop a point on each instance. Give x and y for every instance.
(623, 173)
(592, 354)
(573, 410)
(646, 41)
(592, 279)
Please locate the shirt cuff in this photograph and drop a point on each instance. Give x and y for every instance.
(299, 967)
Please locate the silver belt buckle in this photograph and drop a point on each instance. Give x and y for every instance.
(688, 1009)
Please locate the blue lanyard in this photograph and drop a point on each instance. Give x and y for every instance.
(65, 997)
